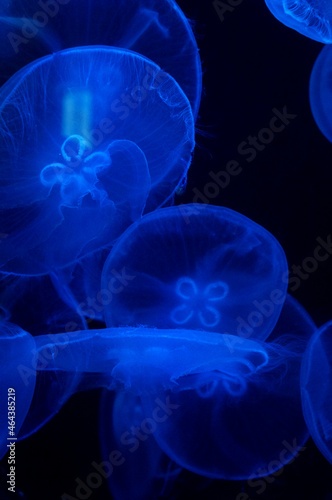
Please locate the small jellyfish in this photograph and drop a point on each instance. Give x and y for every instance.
(78, 165)
(198, 267)
(16, 390)
(316, 387)
(157, 29)
(235, 400)
(311, 18)
(321, 92)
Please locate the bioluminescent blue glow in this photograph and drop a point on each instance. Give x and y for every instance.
(312, 18)
(157, 29)
(199, 267)
(145, 471)
(321, 92)
(16, 348)
(34, 303)
(245, 393)
(316, 387)
(77, 162)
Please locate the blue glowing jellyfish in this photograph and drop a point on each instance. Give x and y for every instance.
(321, 92)
(316, 386)
(311, 18)
(34, 303)
(84, 135)
(16, 390)
(157, 29)
(145, 471)
(199, 267)
(245, 394)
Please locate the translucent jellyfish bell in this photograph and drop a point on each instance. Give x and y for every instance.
(311, 18)
(198, 267)
(235, 400)
(321, 92)
(76, 127)
(317, 389)
(157, 29)
(16, 390)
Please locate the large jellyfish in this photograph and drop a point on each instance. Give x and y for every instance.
(82, 134)
(16, 348)
(157, 29)
(146, 470)
(316, 386)
(199, 267)
(312, 18)
(218, 405)
(321, 92)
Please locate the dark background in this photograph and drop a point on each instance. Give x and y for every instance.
(252, 64)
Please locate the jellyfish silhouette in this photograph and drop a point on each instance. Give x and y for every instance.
(316, 389)
(16, 390)
(245, 394)
(321, 92)
(311, 18)
(157, 29)
(199, 267)
(73, 156)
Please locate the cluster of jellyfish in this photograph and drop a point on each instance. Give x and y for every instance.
(96, 136)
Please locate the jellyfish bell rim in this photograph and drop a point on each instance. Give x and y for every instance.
(317, 81)
(306, 402)
(195, 107)
(280, 14)
(198, 206)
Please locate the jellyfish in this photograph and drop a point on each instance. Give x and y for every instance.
(16, 391)
(311, 18)
(198, 267)
(131, 427)
(316, 389)
(321, 92)
(157, 29)
(218, 405)
(83, 133)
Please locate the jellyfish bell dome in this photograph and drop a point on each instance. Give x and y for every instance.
(76, 127)
(16, 388)
(321, 92)
(200, 267)
(311, 18)
(316, 389)
(157, 29)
